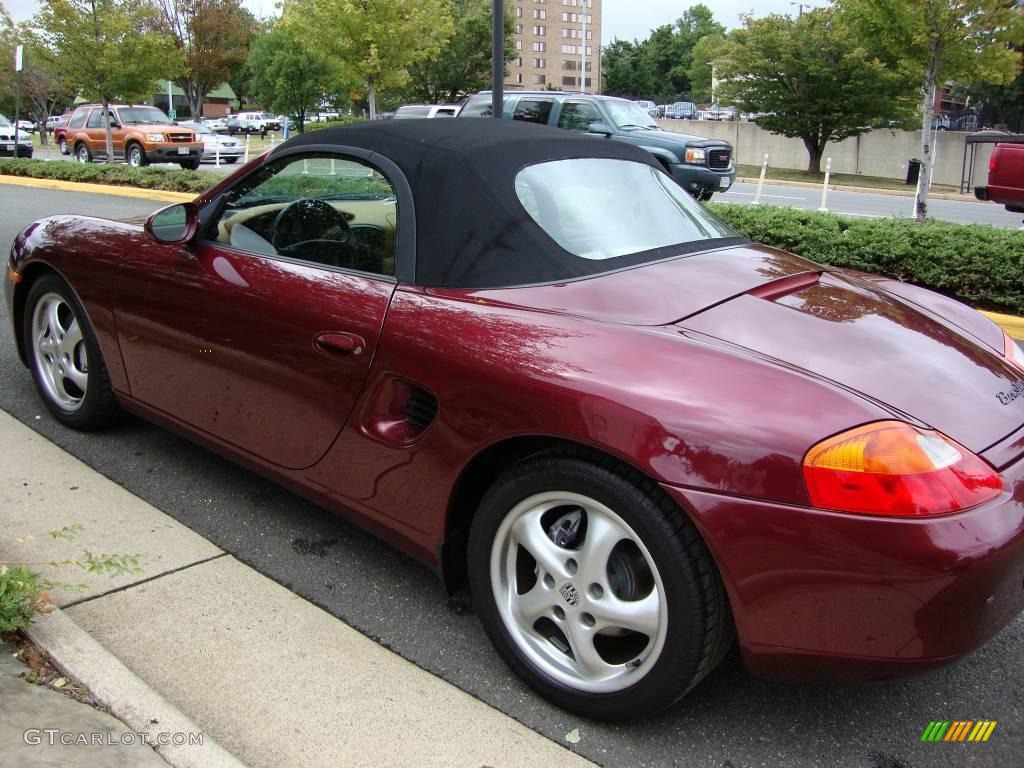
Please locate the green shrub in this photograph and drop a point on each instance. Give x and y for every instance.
(166, 179)
(334, 123)
(20, 593)
(981, 265)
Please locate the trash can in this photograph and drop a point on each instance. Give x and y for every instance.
(913, 171)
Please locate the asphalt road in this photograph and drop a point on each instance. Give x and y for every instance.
(731, 720)
(871, 205)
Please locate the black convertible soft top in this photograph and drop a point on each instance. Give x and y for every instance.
(471, 230)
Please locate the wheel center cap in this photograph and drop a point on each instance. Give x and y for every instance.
(569, 594)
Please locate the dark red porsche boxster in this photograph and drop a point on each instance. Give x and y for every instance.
(530, 360)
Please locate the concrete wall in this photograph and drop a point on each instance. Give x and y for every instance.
(882, 152)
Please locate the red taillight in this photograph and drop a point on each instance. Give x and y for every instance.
(893, 468)
(993, 161)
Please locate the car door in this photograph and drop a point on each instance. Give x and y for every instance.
(261, 334)
(95, 132)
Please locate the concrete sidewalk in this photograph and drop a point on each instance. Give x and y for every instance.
(200, 643)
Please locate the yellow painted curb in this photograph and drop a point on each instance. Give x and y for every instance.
(1011, 324)
(101, 189)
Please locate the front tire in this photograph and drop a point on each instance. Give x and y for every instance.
(137, 157)
(594, 587)
(191, 165)
(64, 356)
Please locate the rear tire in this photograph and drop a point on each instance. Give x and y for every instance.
(62, 145)
(82, 153)
(64, 356)
(620, 623)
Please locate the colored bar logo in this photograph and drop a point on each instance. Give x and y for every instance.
(959, 730)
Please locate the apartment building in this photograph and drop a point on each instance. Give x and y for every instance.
(549, 45)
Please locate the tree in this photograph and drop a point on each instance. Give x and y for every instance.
(940, 40)
(697, 22)
(463, 65)
(213, 36)
(287, 76)
(106, 49)
(626, 72)
(813, 82)
(707, 50)
(373, 41)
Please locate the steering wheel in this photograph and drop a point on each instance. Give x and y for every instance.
(313, 230)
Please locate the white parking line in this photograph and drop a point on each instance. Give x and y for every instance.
(778, 197)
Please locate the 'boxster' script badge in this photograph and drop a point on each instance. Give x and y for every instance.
(1008, 397)
(569, 594)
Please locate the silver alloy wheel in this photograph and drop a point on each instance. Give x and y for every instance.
(83, 154)
(135, 157)
(593, 617)
(61, 360)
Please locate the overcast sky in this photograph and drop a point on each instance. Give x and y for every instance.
(623, 19)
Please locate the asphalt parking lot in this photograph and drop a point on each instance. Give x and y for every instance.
(730, 720)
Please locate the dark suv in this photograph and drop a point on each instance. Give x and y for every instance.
(700, 166)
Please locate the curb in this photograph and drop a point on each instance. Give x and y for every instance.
(867, 190)
(103, 189)
(123, 693)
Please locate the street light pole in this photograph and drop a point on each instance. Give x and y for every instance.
(498, 60)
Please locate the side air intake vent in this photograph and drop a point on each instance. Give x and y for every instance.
(421, 408)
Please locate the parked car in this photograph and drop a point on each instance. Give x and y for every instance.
(681, 110)
(1005, 177)
(226, 149)
(411, 111)
(14, 142)
(637, 435)
(235, 125)
(55, 120)
(701, 166)
(27, 125)
(721, 112)
(648, 106)
(260, 122)
(141, 135)
(216, 124)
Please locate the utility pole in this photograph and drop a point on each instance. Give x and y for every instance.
(19, 61)
(800, 8)
(498, 59)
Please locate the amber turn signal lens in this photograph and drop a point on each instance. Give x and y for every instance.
(893, 468)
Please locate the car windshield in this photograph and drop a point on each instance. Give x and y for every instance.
(626, 114)
(409, 111)
(198, 128)
(598, 208)
(143, 116)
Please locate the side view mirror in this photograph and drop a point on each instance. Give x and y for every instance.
(174, 224)
(599, 127)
